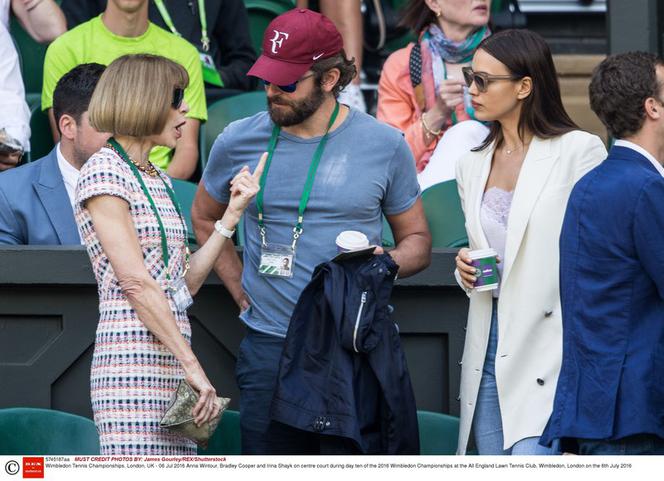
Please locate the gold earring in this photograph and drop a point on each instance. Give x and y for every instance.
(438, 14)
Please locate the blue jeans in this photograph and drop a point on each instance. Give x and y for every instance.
(487, 423)
(256, 372)
(631, 445)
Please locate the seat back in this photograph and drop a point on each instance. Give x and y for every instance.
(261, 13)
(41, 138)
(439, 433)
(226, 439)
(46, 432)
(185, 192)
(442, 208)
(225, 111)
(31, 55)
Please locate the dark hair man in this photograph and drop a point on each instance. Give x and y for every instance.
(37, 199)
(610, 394)
(330, 169)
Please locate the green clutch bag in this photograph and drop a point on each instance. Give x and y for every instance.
(178, 417)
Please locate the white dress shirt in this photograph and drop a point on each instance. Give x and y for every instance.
(70, 176)
(642, 151)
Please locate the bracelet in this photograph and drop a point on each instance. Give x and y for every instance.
(30, 9)
(433, 133)
(219, 227)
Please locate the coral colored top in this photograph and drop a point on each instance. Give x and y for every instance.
(397, 105)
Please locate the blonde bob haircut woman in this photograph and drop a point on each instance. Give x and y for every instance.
(135, 94)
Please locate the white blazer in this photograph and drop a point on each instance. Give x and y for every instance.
(529, 349)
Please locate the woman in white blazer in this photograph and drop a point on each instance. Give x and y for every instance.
(514, 189)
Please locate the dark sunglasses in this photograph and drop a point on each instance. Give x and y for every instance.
(290, 88)
(483, 79)
(178, 97)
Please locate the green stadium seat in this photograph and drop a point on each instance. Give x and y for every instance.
(31, 55)
(46, 432)
(41, 138)
(226, 439)
(388, 237)
(442, 208)
(185, 192)
(261, 13)
(225, 111)
(439, 433)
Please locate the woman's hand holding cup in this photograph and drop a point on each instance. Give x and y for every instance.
(465, 268)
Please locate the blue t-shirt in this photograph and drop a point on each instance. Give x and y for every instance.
(366, 168)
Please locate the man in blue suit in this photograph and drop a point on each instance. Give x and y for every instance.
(37, 199)
(610, 394)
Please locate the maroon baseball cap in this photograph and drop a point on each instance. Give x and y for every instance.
(292, 43)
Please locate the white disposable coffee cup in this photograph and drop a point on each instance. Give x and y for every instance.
(351, 240)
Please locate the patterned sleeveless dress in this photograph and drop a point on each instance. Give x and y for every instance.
(133, 375)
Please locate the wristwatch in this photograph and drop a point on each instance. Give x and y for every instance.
(219, 227)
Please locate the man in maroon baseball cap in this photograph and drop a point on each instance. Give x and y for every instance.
(330, 168)
(292, 43)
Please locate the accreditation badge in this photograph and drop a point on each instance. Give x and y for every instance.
(277, 261)
(210, 73)
(181, 295)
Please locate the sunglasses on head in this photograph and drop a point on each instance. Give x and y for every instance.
(178, 97)
(290, 88)
(483, 79)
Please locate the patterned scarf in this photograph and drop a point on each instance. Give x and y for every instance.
(450, 51)
(442, 50)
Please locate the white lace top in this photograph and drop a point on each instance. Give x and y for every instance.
(494, 213)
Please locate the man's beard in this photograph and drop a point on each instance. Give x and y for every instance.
(299, 110)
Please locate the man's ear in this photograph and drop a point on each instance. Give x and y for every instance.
(654, 109)
(330, 79)
(68, 126)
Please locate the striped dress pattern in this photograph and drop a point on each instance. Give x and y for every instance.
(133, 375)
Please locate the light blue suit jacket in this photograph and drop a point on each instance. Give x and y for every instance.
(34, 206)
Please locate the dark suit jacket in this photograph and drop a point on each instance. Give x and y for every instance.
(34, 206)
(611, 383)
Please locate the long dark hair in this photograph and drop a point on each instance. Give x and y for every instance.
(526, 54)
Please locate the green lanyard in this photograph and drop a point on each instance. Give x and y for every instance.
(297, 230)
(205, 40)
(117, 148)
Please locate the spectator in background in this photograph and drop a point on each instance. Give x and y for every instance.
(37, 199)
(421, 89)
(227, 26)
(610, 395)
(136, 238)
(15, 114)
(347, 17)
(524, 171)
(42, 19)
(122, 29)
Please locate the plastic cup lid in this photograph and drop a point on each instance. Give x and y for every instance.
(352, 239)
(481, 253)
